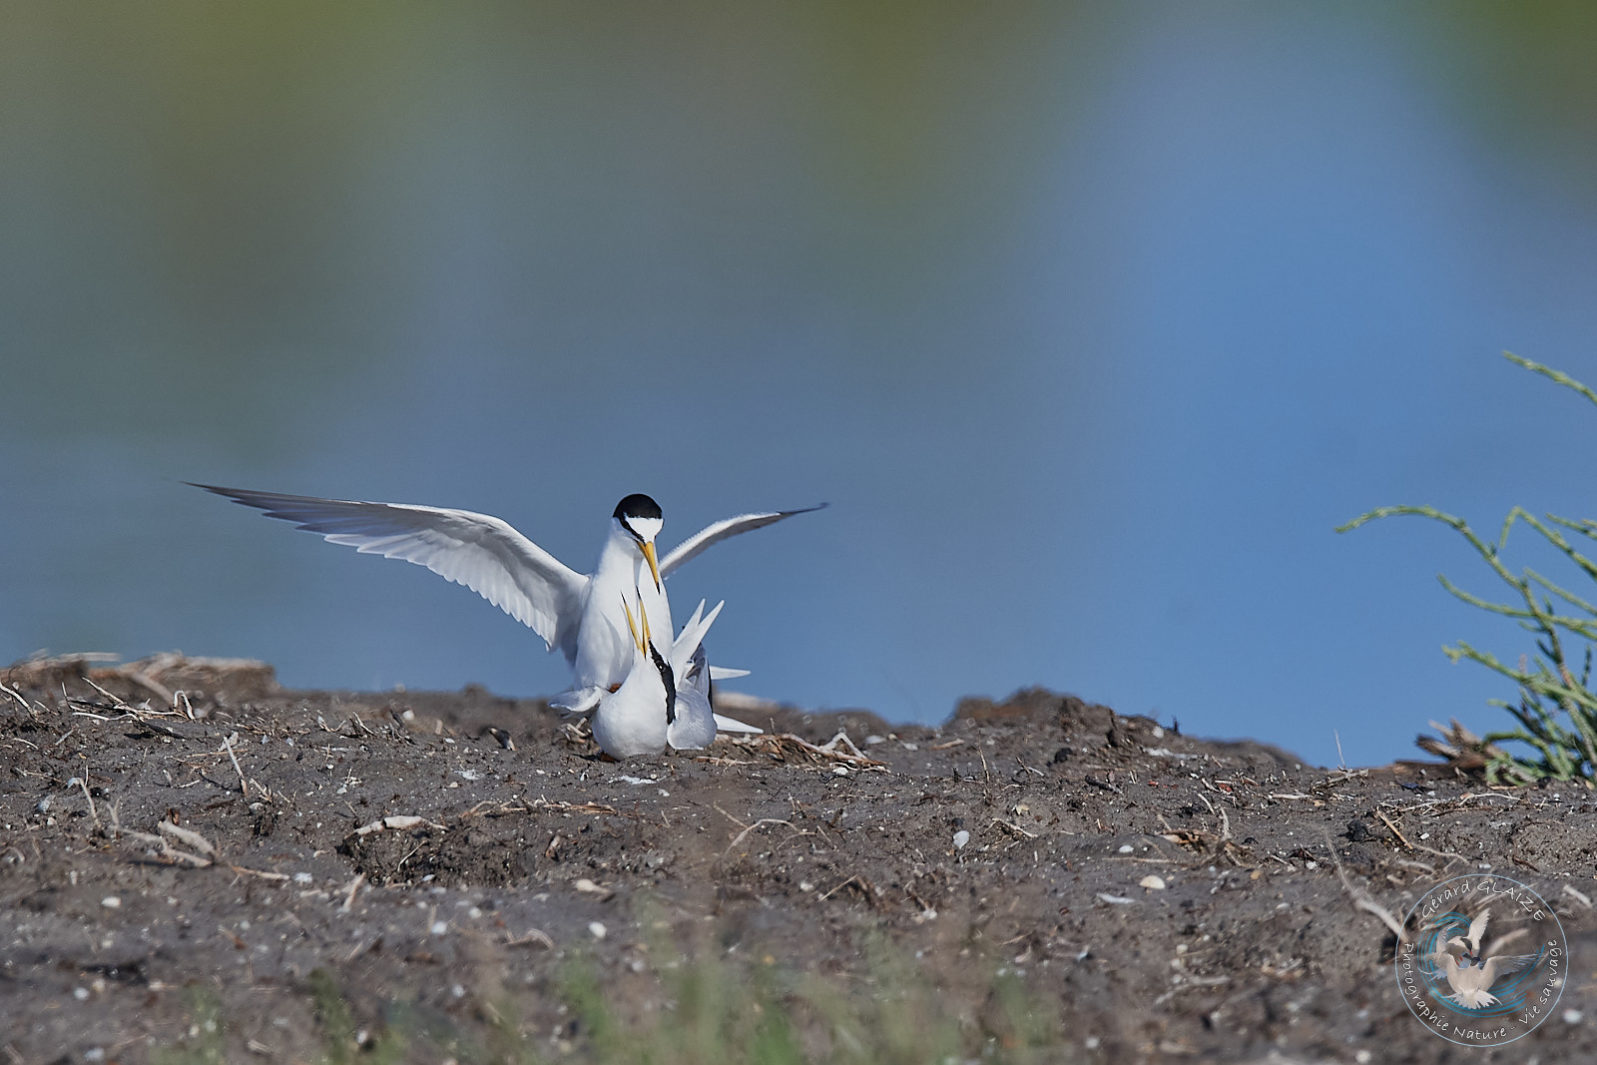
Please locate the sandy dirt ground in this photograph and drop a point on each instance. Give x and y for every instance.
(1175, 898)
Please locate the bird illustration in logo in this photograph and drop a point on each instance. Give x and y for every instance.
(1471, 970)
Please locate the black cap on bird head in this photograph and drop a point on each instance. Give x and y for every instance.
(639, 516)
(636, 505)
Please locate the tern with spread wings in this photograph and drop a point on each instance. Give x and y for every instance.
(581, 615)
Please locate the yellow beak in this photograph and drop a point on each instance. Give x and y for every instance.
(642, 643)
(632, 626)
(654, 567)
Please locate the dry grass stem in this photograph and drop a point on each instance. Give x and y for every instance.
(786, 747)
(1012, 827)
(243, 784)
(1395, 830)
(90, 800)
(188, 837)
(748, 827)
(534, 935)
(351, 891)
(1362, 899)
(164, 849)
(395, 823)
(17, 696)
(576, 807)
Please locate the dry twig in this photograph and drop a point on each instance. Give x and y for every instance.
(784, 746)
(243, 784)
(395, 823)
(576, 807)
(748, 827)
(187, 836)
(1362, 899)
(90, 800)
(15, 695)
(352, 890)
(534, 935)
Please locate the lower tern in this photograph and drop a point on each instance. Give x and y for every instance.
(664, 700)
(581, 615)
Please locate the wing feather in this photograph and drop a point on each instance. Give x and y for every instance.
(480, 551)
(695, 545)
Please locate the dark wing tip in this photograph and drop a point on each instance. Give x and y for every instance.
(238, 495)
(235, 494)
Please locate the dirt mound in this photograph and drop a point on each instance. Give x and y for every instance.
(178, 832)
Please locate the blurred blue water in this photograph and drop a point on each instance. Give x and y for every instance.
(1090, 323)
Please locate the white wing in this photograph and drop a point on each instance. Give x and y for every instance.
(694, 675)
(728, 724)
(684, 656)
(694, 727)
(477, 550)
(694, 545)
(579, 700)
(1477, 929)
(1506, 964)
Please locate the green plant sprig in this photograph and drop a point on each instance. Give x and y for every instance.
(1551, 692)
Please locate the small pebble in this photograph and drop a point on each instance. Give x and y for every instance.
(440, 928)
(596, 929)
(303, 878)
(1125, 848)
(80, 993)
(1152, 882)
(960, 839)
(111, 902)
(1572, 1016)
(840, 770)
